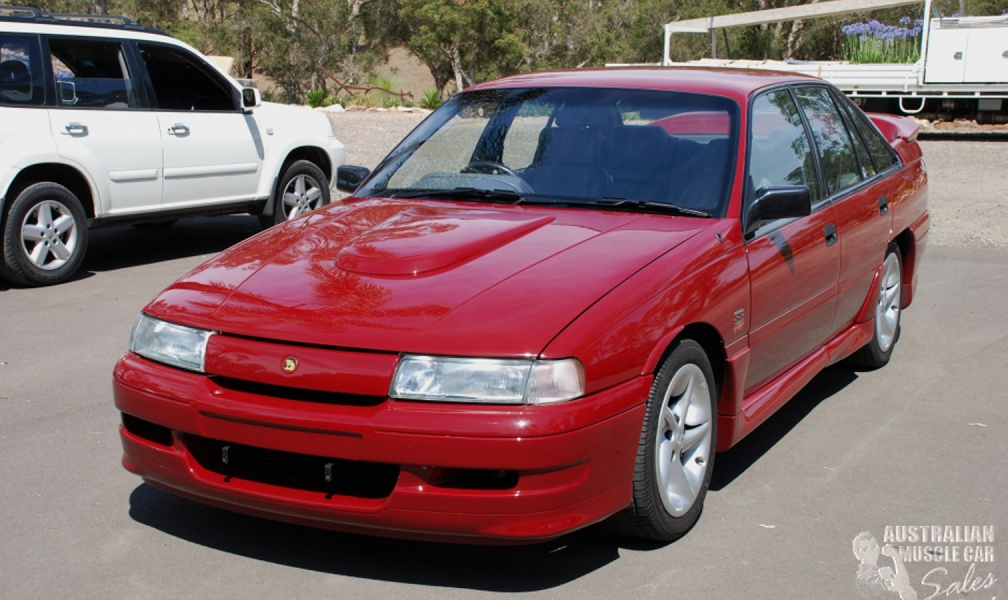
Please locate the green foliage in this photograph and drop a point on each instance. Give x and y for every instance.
(302, 44)
(431, 99)
(316, 98)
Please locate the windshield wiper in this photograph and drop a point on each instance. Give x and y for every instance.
(617, 204)
(461, 193)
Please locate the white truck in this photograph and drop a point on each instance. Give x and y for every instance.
(962, 72)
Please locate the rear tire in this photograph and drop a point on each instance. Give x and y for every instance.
(675, 457)
(876, 353)
(45, 235)
(302, 188)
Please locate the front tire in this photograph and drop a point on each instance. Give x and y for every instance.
(675, 457)
(876, 353)
(45, 235)
(303, 187)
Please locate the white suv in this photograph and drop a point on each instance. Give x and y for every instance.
(104, 121)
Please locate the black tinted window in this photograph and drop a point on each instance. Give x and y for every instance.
(836, 153)
(864, 157)
(881, 151)
(180, 83)
(20, 71)
(779, 149)
(92, 73)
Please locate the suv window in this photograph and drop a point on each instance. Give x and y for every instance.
(180, 83)
(92, 73)
(20, 71)
(779, 149)
(836, 153)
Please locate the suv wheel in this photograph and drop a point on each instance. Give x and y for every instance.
(45, 235)
(303, 188)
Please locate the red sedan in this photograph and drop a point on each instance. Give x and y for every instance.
(549, 306)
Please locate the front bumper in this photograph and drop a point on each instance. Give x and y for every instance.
(563, 466)
(337, 157)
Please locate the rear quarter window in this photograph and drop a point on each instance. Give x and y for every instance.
(21, 81)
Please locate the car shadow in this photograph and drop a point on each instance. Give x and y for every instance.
(732, 463)
(508, 569)
(122, 246)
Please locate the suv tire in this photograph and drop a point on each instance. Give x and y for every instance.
(303, 187)
(45, 235)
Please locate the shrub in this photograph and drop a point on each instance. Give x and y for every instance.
(316, 98)
(431, 99)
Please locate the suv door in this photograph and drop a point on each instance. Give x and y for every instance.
(98, 120)
(793, 263)
(212, 150)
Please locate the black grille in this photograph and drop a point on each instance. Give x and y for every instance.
(297, 471)
(289, 393)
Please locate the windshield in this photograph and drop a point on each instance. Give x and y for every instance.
(605, 148)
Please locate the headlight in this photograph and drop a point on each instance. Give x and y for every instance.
(170, 344)
(491, 381)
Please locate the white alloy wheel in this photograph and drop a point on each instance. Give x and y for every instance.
(683, 443)
(887, 312)
(49, 235)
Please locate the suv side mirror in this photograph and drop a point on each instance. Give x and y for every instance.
(349, 177)
(778, 202)
(251, 98)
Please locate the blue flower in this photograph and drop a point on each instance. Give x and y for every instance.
(904, 21)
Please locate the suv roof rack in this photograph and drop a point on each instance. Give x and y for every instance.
(30, 13)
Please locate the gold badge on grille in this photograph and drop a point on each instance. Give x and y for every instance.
(290, 364)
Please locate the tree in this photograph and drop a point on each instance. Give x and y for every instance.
(474, 40)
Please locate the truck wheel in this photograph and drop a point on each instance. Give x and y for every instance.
(303, 187)
(45, 236)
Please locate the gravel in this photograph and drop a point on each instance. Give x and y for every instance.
(968, 183)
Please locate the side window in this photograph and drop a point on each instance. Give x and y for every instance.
(92, 73)
(881, 151)
(20, 71)
(779, 149)
(836, 153)
(181, 84)
(864, 157)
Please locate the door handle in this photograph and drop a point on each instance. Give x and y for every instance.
(76, 129)
(883, 205)
(831, 235)
(179, 129)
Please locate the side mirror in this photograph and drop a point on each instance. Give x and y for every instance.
(67, 92)
(251, 98)
(349, 177)
(778, 202)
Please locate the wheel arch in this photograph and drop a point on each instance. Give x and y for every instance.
(709, 339)
(65, 175)
(313, 154)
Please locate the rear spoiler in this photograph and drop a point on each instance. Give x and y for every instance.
(895, 128)
(901, 133)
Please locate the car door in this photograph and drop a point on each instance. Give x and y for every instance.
(793, 263)
(863, 219)
(212, 150)
(100, 122)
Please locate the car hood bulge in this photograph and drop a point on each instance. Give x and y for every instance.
(418, 276)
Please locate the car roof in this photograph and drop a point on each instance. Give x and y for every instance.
(734, 83)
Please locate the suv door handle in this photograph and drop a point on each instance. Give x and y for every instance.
(830, 232)
(76, 129)
(883, 205)
(179, 129)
